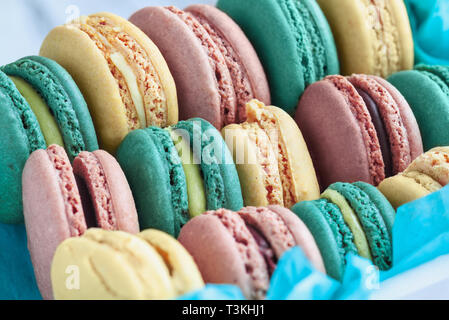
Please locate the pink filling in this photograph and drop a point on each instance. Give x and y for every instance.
(242, 84)
(88, 167)
(249, 251)
(391, 117)
(69, 190)
(361, 113)
(216, 61)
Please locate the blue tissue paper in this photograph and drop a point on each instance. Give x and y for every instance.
(17, 280)
(429, 20)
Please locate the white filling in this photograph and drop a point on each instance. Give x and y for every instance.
(131, 80)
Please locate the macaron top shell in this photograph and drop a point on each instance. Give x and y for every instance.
(121, 73)
(426, 89)
(246, 71)
(21, 133)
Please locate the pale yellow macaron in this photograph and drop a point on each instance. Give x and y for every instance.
(272, 159)
(427, 174)
(110, 265)
(372, 37)
(121, 73)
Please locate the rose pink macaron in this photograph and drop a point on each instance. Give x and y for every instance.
(358, 128)
(61, 201)
(242, 248)
(215, 67)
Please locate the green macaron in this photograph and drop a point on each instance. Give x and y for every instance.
(426, 89)
(41, 105)
(178, 173)
(293, 40)
(337, 220)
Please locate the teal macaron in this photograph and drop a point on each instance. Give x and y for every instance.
(178, 173)
(336, 235)
(426, 89)
(293, 40)
(41, 105)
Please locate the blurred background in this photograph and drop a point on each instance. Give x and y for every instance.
(27, 22)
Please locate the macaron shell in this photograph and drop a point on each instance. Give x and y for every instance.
(215, 252)
(251, 175)
(43, 202)
(189, 64)
(233, 35)
(434, 163)
(386, 210)
(304, 178)
(408, 118)
(158, 62)
(351, 219)
(429, 104)
(400, 190)
(46, 120)
(122, 198)
(301, 234)
(324, 237)
(327, 136)
(148, 178)
(184, 272)
(78, 54)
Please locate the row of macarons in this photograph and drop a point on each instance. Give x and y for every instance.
(130, 83)
(166, 179)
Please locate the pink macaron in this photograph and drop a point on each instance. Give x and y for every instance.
(242, 248)
(357, 128)
(61, 201)
(215, 67)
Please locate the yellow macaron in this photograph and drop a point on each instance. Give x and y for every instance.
(109, 265)
(120, 71)
(272, 159)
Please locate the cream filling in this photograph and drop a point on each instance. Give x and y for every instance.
(131, 80)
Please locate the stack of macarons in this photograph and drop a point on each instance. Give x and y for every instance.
(120, 266)
(358, 128)
(215, 67)
(62, 201)
(178, 173)
(350, 219)
(41, 105)
(242, 248)
(293, 41)
(121, 73)
(427, 174)
(272, 159)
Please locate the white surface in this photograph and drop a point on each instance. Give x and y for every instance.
(427, 282)
(25, 23)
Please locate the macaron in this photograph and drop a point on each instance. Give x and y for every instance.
(427, 174)
(293, 40)
(41, 105)
(373, 37)
(358, 128)
(61, 201)
(215, 67)
(350, 219)
(114, 265)
(272, 159)
(178, 173)
(242, 248)
(427, 91)
(121, 73)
